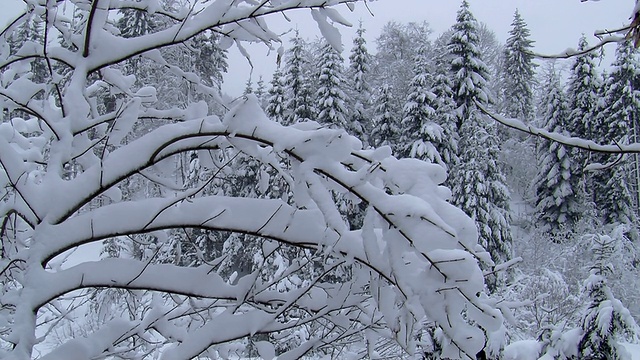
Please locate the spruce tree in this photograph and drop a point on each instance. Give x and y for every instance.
(385, 129)
(583, 91)
(620, 113)
(260, 91)
(419, 131)
(470, 73)
(331, 99)
(30, 31)
(248, 87)
(360, 88)
(605, 318)
(478, 183)
(445, 113)
(135, 23)
(275, 98)
(298, 106)
(555, 184)
(210, 60)
(518, 72)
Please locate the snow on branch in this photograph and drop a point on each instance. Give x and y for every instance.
(569, 53)
(221, 232)
(575, 142)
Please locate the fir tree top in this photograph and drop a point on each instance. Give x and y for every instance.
(469, 71)
(518, 71)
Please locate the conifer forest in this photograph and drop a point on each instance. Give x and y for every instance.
(420, 196)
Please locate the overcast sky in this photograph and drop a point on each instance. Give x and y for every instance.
(555, 25)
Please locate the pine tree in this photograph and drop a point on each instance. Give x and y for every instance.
(478, 183)
(360, 89)
(299, 97)
(385, 124)
(621, 111)
(419, 131)
(276, 101)
(555, 185)
(518, 72)
(331, 99)
(605, 319)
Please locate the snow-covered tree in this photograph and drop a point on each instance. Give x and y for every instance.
(248, 87)
(419, 132)
(556, 186)
(31, 32)
(359, 69)
(260, 88)
(386, 126)
(478, 183)
(331, 99)
(620, 112)
(518, 71)
(605, 321)
(209, 60)
(470, 74)
(299, 105)
(445, 112)
(396, 49)
(583, 88)
(276, 101)
(414, 257)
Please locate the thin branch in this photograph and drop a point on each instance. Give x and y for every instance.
(573, 142)
(572, 53)
(87, 35)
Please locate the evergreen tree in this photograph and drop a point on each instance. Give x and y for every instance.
(445, 113)
(248, 87)
(478, 183)
(210, 61)
(419, 131)
(360, 89)
(518, 72)
(299, 97)
(620, 113)
(605, 319)
(470, 73)
(555, 185)
(331, 98)
(276, 101)
(31, 30)
(134, 23)
(385, 124)
(260, 90)
(583, 91)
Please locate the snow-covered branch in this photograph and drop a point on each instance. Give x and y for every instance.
(574, 142)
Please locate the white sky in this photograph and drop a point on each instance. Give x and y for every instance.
(554, 24)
